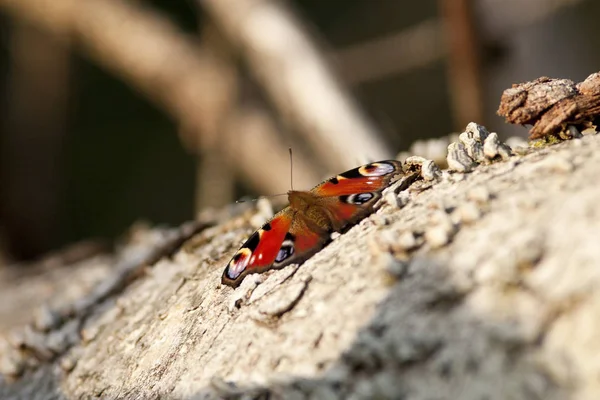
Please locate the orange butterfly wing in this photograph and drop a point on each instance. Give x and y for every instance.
(356, 191)
(289, 238)
(277, 243)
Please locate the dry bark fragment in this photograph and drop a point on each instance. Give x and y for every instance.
(552, 105)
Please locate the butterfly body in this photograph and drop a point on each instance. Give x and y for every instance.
(304, 227)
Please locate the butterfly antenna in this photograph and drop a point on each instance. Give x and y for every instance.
(291, 170)
(278, 194)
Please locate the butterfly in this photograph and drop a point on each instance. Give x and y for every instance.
(304, 227)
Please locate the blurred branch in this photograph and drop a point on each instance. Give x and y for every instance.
(413, 47)
(254, 134)
(464, 72)
(499, 18)
(151, 54)
(423, 44)
(138, 45)
(300, 83)
(215, 178)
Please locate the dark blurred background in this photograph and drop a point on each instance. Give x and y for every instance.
(91, 142)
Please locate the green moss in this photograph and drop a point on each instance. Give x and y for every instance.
(545, 141)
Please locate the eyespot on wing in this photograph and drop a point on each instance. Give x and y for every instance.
(258, 253)
(371, 177)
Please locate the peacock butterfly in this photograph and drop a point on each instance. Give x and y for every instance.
(304, 227)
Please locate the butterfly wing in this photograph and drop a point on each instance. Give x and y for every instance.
(291, 238)
(367, 178)
(280, 242)
(352, 195)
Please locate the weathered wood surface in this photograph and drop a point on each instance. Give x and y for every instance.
(552, 105)
(479, 285)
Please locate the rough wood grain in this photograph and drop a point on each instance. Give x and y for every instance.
(483, 284)
(552, 105)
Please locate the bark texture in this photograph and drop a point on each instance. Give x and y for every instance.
(462, 286)
(553, 105)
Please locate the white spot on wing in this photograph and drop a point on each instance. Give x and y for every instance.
(376, 169)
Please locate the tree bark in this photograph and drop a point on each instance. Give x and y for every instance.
(483, 284)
